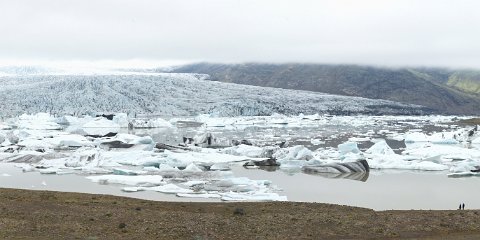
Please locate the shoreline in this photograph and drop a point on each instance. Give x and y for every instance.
(48, 214)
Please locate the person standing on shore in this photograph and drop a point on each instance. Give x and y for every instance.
(463, 206)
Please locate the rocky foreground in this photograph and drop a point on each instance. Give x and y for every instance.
(55, 215)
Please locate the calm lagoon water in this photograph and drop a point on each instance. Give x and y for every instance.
(382, 190)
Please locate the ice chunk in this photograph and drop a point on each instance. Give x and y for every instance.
(348, 147)
(199, 195)
(126, 138)
(121, 119)
(446, 152)
(170, 188)
(244, 150)
(25, 167)
(192, 168)
(220, 167)
(166, 168)
(39, 121)
(206, 137)
(316, 142)
(4, 126)
(51, 170)
(150, 123)
(193, 183)
(183, 159)
(343, 167)
(133, 189)
(67, 120)
(121, 171)
(462, 174)
(100, 122)
(359, 139)
(100, 126)
(291, 163)
(253, 196)
(443, 138)
(395, 161)
(143, 140)
(12, 138)
(411, 137)
(464, 166)
(476, 140)
(380, 148)
(139, 180)
(294, 153)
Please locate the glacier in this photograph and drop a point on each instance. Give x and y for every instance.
(172, 94)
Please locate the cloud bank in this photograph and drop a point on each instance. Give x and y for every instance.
(378, 32)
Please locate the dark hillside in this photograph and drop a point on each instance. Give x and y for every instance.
(433, 88)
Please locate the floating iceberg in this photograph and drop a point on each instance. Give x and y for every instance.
(253, 196)
(140, 180)
(380, 148)
(343, 167)
(150, 123)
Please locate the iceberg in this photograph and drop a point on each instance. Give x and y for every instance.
(121, 119)
(150, 123)
(199, 195)
(139, 180)
(343, 167)
(293, 153)
(39, 121)
(192, 168)
(100, 126)
(170, 188)
(380, 148)
(316, 142)
(244, 150)
(253, 196)
(412, 137)
(348, 147)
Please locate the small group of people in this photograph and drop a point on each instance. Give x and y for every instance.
(462, 206)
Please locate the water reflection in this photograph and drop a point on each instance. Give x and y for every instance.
(359, 176)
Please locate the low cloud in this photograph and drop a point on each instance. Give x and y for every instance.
(378, 32)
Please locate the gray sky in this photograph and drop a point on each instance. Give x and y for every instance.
(379, 32)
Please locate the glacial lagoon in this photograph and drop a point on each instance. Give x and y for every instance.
(417, 179)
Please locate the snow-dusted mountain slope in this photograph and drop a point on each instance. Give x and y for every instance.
(172, 94)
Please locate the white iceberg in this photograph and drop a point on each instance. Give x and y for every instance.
(170, 188)
(380, 148)
(139, 180)
(252, 196)
(150, 123)
(244, 150)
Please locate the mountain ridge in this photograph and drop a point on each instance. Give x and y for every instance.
(431, 87)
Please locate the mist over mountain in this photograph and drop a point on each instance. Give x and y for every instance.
(445, 90)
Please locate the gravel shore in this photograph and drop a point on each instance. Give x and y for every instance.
(30, 214)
